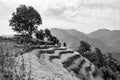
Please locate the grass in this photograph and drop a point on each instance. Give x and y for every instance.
(9, 50)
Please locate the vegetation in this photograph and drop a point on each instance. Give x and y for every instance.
(25, 20)
(107, 65)
(84, 46)
(8, 53)
(40, 35)
(47, 32)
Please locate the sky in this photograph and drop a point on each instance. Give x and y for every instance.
(83, 15)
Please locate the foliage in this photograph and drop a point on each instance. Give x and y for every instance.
(84, 46)
(108, 65)
(40, 35)
(8, 52)
(47, 32)
(6, 62)
(54, 40)
(25, 20)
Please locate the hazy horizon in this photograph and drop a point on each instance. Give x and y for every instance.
(62, 29)
(83, 15)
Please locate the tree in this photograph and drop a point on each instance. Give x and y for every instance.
(84, 46)
(100, 57)
(40, 35)
(25, 20)
(54, 39)
(47, 32)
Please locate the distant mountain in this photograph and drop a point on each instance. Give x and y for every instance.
(92, 41)
(63, 36)
(73, 37)
(110, 38)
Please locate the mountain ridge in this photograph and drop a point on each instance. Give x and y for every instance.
(109, 37)
(78, 36)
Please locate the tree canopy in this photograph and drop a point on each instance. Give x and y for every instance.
(47, 32)
(40, 34)
(25, 20)
(108, 66)
(84, 46)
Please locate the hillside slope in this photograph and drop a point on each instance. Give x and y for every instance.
(63, 36)
(41, 69)
(92, 41)
(37, 66)
(73, 37)
(111, 38)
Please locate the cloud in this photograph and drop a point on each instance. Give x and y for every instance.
(86, 15)
(86, 8)
(53, 11)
